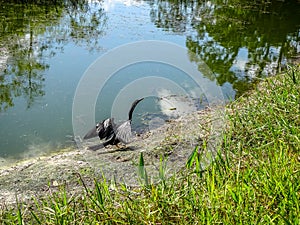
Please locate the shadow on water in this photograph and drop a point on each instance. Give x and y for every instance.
(32, 32)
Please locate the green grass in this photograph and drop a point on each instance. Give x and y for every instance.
(254, 180)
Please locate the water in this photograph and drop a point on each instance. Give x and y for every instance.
(45, 50)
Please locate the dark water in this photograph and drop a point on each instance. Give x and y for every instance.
(46, 48)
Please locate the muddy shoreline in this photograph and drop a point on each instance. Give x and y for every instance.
(174, 141)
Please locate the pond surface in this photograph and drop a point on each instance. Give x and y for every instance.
(46, 49)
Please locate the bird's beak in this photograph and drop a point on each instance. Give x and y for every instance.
(92, 133)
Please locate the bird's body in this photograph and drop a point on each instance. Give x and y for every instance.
(112, 133)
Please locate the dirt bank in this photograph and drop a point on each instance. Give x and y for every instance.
(174, 140)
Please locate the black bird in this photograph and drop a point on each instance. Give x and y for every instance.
(111, 132)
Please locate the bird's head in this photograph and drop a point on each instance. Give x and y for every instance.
(137, 101)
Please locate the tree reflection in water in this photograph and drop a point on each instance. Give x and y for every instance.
(33, 31)
(240, 40)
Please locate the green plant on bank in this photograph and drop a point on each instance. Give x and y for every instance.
(142, 172)
(255, 179)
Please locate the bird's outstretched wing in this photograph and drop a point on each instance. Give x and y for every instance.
(123, 132)
(91, 134)
(105, 129)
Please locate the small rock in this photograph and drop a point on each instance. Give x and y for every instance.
(55, 183)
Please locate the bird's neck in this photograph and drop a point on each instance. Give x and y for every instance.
(134, 104)
(131, 111)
